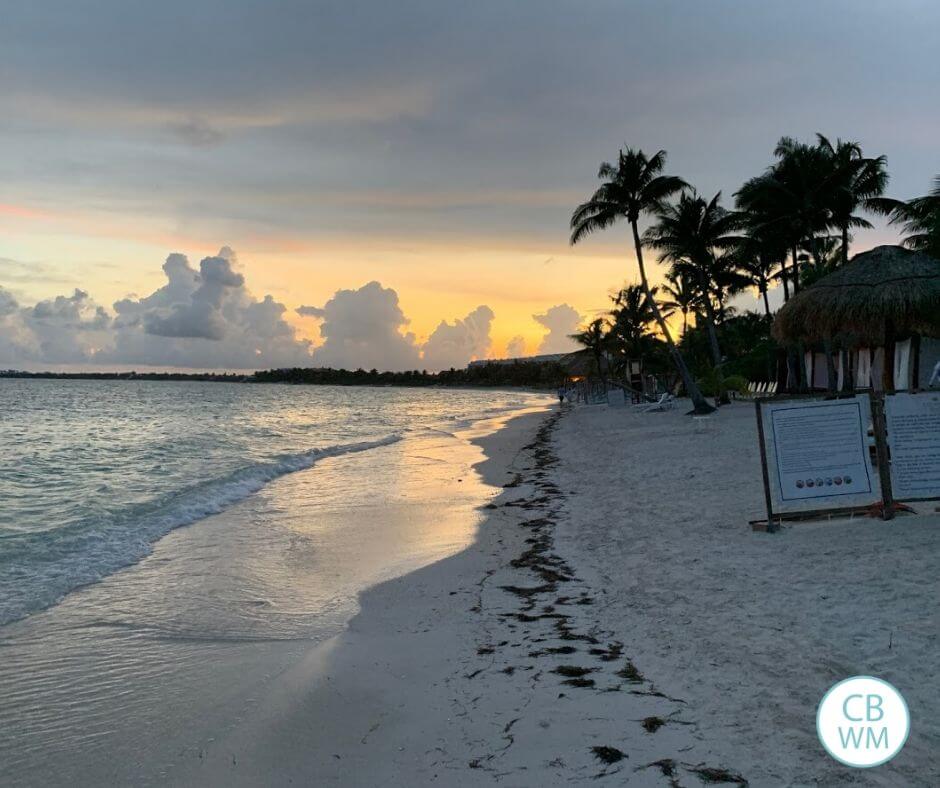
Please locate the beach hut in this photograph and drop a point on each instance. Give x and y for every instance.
(873, 323)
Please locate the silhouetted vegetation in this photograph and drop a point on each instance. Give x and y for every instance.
(220, 377)
(528, 374)
(790, 225)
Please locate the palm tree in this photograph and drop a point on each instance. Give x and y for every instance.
(858, 183)
(920, 219)
(631, 188)
(630, 333)
(681, 296)
(829, 258)
(726, 280)
(793, 198)
(756, 260)
(689, 234)
(595, 338)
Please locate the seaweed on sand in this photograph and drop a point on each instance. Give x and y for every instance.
(608, 755)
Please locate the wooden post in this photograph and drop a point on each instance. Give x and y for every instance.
(915, 362)
(881, 452)
(887, 374)
(831, 373)
(771, 528)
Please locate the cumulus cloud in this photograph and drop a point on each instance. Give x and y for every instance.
(203, 318)
(64, 329)
(515, 348)
(363, 328)
(8, 303)
(200, 315)
(561, 321)
(455, 345)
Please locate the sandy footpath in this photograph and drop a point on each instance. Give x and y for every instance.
(616, 622)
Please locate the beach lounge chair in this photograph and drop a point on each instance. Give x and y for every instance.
(665, 402)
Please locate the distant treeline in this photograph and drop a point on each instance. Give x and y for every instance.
(230, 377)
(518, 373)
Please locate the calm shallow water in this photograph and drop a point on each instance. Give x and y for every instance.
(134, 673)
(92, 473)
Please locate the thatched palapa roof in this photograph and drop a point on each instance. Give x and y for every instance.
(581, 363)
(852, 305)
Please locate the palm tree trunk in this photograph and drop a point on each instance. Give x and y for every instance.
(845, 244)
(796, 271)
(721, 396)
(763, 292)
(685, 321)
(814, 249)
(698, 401)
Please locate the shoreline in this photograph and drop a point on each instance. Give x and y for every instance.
(603, 627)
(487, 665)
(611, 618)
(340, 715)
(131, 679)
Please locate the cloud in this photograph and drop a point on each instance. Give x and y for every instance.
(363, 328)
(456, 345)
(64, 329)
(196, 132)
(8, 303)
(561, 321)
(199, 316)
(515, 348)
(203, 318)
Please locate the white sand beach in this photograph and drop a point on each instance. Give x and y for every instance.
(616, 621)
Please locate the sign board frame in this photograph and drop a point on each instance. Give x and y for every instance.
(854, 409)
(901, 436)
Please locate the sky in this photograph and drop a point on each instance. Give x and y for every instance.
(240, 184)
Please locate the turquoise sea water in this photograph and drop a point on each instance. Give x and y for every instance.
(92, 473)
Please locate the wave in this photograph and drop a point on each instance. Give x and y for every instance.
(39, 569)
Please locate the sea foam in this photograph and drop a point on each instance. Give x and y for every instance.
(37, 569)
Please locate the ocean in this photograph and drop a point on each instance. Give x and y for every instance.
(93, 473)
(166, 549)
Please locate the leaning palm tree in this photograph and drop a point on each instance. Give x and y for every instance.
(631, 188)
